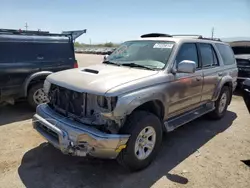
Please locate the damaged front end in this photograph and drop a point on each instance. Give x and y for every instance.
(76, 123)
(85, 108)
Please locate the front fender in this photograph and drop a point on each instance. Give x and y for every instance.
(223, 81)
(129, 102)
(32, 77)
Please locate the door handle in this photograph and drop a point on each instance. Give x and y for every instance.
(39, 58)
(220, 74)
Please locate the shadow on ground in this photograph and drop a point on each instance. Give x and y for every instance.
(13, 113)
(45, 166)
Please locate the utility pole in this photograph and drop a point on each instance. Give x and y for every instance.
(26, 26)
(90, 41)
(212, 32)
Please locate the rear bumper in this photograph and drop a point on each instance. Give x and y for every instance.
(76, 138)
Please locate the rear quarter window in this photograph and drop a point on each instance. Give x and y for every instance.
(21, 51)
(243, 62)
(226, 53)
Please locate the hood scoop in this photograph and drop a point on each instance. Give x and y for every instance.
(90, 71)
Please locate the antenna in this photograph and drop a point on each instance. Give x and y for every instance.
(212, 33)
(26, 26)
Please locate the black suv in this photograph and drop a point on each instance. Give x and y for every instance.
(242, 54)
(28, 57)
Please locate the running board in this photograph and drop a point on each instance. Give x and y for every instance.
(180, 120)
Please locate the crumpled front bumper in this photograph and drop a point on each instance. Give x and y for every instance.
(75, 138)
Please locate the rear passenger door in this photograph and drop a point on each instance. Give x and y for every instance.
(211, 70)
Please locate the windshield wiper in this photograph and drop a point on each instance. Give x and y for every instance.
(137, 65)
(111, 63)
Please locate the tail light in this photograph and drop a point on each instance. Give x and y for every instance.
(76, 65)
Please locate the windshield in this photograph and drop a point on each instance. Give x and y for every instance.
(148, 54)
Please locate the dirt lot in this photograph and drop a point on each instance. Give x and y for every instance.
(203, 153)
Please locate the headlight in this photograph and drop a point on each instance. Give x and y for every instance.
(46, 86)
(107, 102)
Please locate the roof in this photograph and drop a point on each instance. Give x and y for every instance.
(28, 38)
(178, 38)
(11, 35)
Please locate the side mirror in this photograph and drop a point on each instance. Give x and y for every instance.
(186, 66)
(105, 57)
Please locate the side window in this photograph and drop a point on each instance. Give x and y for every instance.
(188, 51)
(208, 55)
(226, 53)
(215, 58)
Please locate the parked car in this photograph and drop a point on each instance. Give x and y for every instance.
(243, 64)
(246, 93)
(27, 58)
(120, 108)
(242, 53)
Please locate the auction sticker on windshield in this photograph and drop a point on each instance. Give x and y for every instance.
(163, 45)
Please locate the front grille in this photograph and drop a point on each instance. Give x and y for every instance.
(66, 102)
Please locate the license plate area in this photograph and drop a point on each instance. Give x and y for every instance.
(44, 129)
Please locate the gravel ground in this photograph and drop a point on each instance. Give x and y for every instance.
(203, 153)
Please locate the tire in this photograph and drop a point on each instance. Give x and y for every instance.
(140, 121)
(218, 113)
(31, 95)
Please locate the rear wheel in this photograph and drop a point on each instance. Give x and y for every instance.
(221, 104)
(36, 95)
(145, 140)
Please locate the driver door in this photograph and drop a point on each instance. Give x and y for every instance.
(186, 88)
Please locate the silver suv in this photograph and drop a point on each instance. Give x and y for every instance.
(120, 108)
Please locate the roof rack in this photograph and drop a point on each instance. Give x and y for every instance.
(24, 32)
(197, 37)
(215, 39)
(180, 35)
(188, 35)
(155, 35)
(72, 34)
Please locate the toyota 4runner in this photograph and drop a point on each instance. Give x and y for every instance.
(120, 108)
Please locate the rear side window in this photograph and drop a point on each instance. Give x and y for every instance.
(208, 55)
(241, 49)
(55, 51)
(243, 62)
(31, 51)
(188, 51)
(226, 53)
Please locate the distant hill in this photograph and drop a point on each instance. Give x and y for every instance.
(231, 39)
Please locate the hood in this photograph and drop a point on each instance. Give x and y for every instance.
(98, 79)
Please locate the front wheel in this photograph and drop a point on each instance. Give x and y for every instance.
(221, 104)
(36, 95)
(145, 140)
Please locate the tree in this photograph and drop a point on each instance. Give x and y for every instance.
(109, 44)
(77, 44)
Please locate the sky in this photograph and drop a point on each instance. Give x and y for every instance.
(121, 20)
